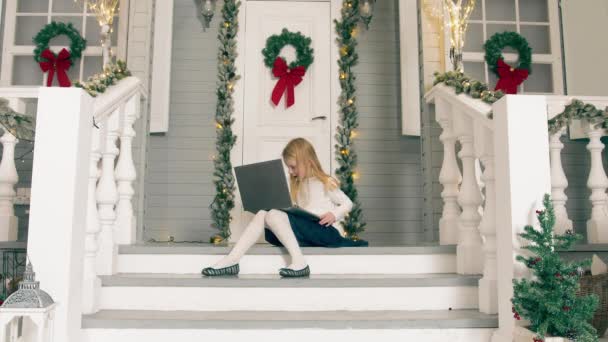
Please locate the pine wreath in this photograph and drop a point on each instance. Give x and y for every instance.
(499, 41)
(301, 43)
(54, 29)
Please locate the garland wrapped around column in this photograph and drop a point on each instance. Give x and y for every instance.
(223, 180)
(345, 153)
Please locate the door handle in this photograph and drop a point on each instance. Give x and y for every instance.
(322, 117)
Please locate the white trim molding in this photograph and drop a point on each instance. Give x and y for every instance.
(410, 67)
(161, 67)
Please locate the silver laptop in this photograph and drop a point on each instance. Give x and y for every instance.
(263, 186)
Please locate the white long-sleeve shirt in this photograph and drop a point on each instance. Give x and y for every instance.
(314, 198)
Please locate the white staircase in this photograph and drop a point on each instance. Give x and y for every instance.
(389, 293)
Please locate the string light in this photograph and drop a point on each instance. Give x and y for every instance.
(458, 14)
(342, 75)
(218, 125)
(344, 50)
(344, 151)
(104, 10)
(226, 24)
(350, 101)
(353, 134)
(230, 86)
(356, 175)
(354, 32)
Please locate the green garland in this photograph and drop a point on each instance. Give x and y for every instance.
(223, 201)
(111, 74)
(345, 151)
(578, 110)
(275, 43)
(19, 125)
(499, 41)
(464, 84)
(54, 29)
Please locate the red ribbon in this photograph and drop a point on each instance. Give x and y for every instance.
(288, 80)
(60, 63)
(509, 77)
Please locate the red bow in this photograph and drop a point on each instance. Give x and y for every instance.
(288, 79)
(509, 77)
(60, 63)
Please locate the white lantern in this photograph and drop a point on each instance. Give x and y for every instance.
(27, 314)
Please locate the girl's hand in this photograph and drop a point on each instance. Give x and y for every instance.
(327, 219)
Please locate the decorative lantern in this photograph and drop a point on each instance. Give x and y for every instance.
(207, 11)
(30, 302)
(366, 11)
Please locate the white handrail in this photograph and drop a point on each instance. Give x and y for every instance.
(116, 95)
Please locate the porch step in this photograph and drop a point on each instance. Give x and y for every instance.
(191, 258)
(299, 326)
(269, 292)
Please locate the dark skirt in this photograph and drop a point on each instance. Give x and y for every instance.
(312, 234)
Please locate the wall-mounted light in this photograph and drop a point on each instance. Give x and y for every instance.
(366, 11)
(207, 11)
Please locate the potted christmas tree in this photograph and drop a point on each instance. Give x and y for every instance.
(548, 300)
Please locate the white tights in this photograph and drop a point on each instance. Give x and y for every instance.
(278, 222)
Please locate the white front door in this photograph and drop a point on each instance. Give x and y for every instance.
(268, 128)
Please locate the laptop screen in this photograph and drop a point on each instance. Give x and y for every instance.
(263, 186)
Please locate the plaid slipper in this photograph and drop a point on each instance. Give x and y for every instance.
(212, 272)
(289, 273)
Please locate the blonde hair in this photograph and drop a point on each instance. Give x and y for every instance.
(302, 151)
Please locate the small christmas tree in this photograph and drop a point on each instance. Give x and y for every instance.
(549, 299)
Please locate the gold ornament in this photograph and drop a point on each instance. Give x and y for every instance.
(218, 125)
(226, 24)
(350, 101)
(216, 239)
(342, 75)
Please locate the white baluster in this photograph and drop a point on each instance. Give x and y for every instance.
(8, 179)
(559, 183)
(107, 196)
(91, 282)
(488, 285)
(597, 226)
(449, 176)
(126, 174)
(9, 223)
(469, 259)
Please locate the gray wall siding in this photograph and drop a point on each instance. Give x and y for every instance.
(179, 185)
(390, 186)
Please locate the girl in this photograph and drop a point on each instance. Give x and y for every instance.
(311, 189)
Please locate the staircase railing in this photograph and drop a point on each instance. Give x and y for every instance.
(597, 181)
(82, 188)
(484, 209)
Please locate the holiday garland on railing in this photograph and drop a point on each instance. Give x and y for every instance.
(223, 201)
(19, 125)
(345, 152)
(464, 84)
(578, 110)
(111, 74)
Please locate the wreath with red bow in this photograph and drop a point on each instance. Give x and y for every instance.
(289, 75)
(60, 63)
(508, 77)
